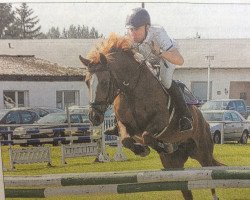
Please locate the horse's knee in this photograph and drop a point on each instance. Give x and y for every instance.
(137, 148)
(128, 142)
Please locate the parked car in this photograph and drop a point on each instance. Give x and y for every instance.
(85, 109)
(18, 116)
(43, 111)
(236, 127)
(54, 125)
(227, 104)
(15, 116)
(248, 111)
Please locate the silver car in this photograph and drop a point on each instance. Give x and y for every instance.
(235, 127)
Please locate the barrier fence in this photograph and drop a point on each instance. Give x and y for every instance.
(126, 182)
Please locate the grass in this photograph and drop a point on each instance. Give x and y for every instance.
(230, 154)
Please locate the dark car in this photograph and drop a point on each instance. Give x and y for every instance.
(55, 125)
(15, 116)
(227, 104)
(18, 116)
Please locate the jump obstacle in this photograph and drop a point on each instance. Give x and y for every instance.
(126, 182)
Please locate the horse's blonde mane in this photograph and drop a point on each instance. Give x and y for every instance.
(113, 41)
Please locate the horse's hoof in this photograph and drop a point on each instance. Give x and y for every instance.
(146, 152)
(141, 150)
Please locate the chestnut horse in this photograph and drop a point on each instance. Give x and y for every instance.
(144, 111)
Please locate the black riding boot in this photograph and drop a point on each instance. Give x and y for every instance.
(185, 122)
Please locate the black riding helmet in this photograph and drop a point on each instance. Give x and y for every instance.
(138, 17)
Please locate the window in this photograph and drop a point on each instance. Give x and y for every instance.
(13, 118)
(67, 98)
(15, 99)
(27, 117)
(235, 117)
(240, 106)
(75, 118)
(231, 105)
(228, 117)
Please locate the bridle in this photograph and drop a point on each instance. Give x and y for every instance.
(99, 106)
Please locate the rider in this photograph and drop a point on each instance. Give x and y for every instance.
(156, 47)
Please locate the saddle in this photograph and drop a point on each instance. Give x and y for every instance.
(188, 95)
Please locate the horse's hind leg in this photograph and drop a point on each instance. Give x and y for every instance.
(205, 157)
(176, 160)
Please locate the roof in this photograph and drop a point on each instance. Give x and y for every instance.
(30, 68)
(228, 53)
(65, 52)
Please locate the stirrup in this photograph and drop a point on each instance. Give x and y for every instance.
(185, 124)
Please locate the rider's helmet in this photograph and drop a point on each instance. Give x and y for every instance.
(138, 17)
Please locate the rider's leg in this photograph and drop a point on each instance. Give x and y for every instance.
(166, 75)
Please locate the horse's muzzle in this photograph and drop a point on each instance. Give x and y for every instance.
(95, 117)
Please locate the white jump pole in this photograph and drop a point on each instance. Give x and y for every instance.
(2, 193)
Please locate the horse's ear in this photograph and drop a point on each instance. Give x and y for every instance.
(85, 61)
(103, 59)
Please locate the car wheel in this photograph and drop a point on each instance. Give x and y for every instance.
(217, 138)
(244, 138)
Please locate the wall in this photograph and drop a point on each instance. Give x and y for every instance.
(44, 93)
(220, 78)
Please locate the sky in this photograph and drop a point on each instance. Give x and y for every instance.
(210, 19)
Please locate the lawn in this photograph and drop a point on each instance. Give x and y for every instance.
(229, 154)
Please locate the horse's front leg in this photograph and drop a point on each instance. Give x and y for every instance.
(130, 143)
(159, 146)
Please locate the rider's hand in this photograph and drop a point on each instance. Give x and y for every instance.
(156, 49)
(139, 57)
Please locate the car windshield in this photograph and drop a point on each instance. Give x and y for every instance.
(215, 105)
(3, 113)
(53, 118)
(213, 116)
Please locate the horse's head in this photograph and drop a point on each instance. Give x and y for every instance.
(98, 79)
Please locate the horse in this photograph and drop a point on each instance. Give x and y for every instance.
(144, 112)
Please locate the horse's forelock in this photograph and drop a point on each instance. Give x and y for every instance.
(108, 46)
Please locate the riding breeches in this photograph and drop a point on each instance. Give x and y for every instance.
(166, 73)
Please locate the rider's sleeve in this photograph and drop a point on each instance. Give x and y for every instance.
(161, 38)
(164, 40)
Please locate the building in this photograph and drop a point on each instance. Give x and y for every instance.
(30, 81)
(229, 61)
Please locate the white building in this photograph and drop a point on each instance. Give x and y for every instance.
(229, 61)
(229, 69)
(30, 81)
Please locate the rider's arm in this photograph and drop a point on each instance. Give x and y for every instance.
(165, 47)
(173, 56)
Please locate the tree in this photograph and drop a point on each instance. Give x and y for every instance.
(6, 18)
(93, 33)
(64, 33)
(26, 23)
(53, 33)
(72, 32)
